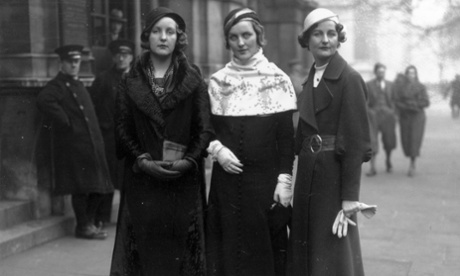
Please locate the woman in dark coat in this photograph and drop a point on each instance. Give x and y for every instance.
(411, 99)
(252, 102)
(332, 141)
(162, 129)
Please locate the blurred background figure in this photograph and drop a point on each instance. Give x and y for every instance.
(104, 94)
(382, 116)
(411, 99)
(455, 97)
(78, 147)
(116, 24)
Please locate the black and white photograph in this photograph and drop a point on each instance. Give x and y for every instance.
(229, 137)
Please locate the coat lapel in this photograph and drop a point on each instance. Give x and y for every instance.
(306, 106)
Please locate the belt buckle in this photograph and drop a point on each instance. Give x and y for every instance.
(317, 139)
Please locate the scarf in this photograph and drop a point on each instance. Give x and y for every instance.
(257, 88)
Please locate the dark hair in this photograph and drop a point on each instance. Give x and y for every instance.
(379, 65)
(181, 42)
(411, 67)
(260, 34)
(305, 36)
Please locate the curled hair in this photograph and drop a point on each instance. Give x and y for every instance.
(304, 37)
(260, 34)
(181, 42)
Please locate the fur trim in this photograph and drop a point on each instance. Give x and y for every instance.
(186, 80)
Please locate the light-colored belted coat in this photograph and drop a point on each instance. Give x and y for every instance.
(336, 107)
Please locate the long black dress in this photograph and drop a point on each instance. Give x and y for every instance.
(238, 238)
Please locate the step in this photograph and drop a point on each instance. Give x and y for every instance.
(14, 212)
(26, 235)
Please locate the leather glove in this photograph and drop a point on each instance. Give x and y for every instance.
(225, 157)
(182, 165)
(283, 190)
(157, 169)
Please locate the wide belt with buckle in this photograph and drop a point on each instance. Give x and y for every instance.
(316, 143)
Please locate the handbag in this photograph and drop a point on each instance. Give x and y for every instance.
(173, 151)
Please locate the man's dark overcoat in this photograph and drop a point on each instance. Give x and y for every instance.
(382, 114)
(336, 107)
(103, 94)
(155, 215)
(77, 146)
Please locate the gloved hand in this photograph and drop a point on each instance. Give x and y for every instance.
(182, 165)
(340, 226)
(283, 190)
(228, 161)
(157, 169)
(225, 157)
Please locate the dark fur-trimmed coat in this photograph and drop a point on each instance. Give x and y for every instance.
(155, 215)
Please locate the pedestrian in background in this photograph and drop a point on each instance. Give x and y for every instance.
(252, 102)
(78, 156)
(382, 116)
(332, 142)
(162, 129)
(411, 99)
(455, 97)
(103, 94)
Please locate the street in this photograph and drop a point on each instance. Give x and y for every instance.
(416, 230)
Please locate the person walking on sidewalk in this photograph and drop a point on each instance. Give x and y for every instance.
(78, 147)
(332, 142)
(411, 99)
(252, 102)
(163, 128)
(103, 93)
(382, 116)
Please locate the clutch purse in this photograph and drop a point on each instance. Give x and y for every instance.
(173, 151)
(279, 217)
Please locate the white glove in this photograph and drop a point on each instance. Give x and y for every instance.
(340, 226)
(283, 190)
(227, 160)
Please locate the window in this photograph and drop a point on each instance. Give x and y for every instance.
(108, 21)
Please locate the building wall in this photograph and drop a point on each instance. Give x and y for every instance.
(30, 30)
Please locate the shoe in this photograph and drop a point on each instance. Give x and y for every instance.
(389, 167)
(371, 173)
(90, 232)
(411, 172)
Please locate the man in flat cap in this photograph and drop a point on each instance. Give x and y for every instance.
(78, 156)
(103, 94)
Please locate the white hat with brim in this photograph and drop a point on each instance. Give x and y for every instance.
(318, 15)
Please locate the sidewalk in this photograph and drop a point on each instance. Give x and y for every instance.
(67, 256)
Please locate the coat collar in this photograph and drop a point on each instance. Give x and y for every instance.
(309, 104)
(186, 80)
(335, 67)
